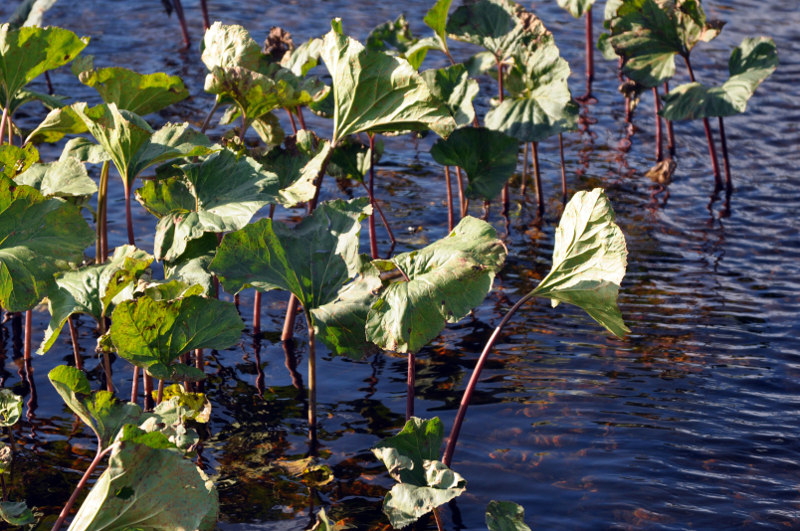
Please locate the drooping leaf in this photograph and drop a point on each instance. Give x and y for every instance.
(148, 485)
(99, 410)
(129, 90)
(576, 8)
(446, 280)
(28, 52)
(489, 158)
(16, 513)
(505, 516)
(424, 482)
(751, 63)
(453, 86)
(38, 237)
(648, 35)
(15, 160)
(541, 104)
(311, 260)
(10, 407)
(91, 290)
(64, 178)
(376, 92)
(341, 323)
(500, 26)
(589, 260)
(152, 334)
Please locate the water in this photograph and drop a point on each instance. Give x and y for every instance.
(691, 422)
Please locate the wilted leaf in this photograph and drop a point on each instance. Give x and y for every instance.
(505, 516)
(589, 260)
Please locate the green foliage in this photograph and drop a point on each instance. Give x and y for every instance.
(16, 513)
(505, 516)
(453, 87)
(63, 178)
(395, 38)
(10, 407)
(576, 8)
(15, 160)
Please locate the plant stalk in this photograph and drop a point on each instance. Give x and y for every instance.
(711, 149)
(135, 385)
(3, 124)
(523, 188)
(410, 381)
(373, 241)
(300, 118)
(450, 214)
(563, 169)
(291, 120)
(312, 383)
(92, 466)
(28, 335)
(207, 121)
(379, 210)
(199, 363)
(73, 335)
(473, 381)
(670, 128)
(537, 178)
(723, 141)
(102, 215)
(589, 53)
(204, 9)
(182, 19)
(160, 396)
(128, 215)
(463, 204)
(659, 132)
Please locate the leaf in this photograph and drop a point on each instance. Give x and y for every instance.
(375, 92)
(489, 158)
(311, 260)
(297, 167)
(648, 35)
(148, 485)
(28, 52)
(576, 8)
(341, 323)
(63, 178)
(446, 280)
(99, 410)
(455, 89)
(424, 483)
(16, 513)
(192, 266)
(352, 159)
(589, 260)
(30, 13)
(751, 63)
(395, 38)
(57, 123)
(230, 46)
(303, 58)
(91, 290)
(541, 105)
(10, 408)
(505, 516)
(151, 334)
(139, 93)
(38, 237)
(436, 19)
(500, 26)
(15, 160)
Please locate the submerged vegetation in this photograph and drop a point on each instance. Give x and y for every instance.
(206, 192)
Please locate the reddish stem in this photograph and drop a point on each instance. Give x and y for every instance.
(670, 129)
(728, 180)
(3, 124)
(204, 9)
(450, 213)
(300, 118)
(291, 119)
(135, 385)
(412, 374)
(82, 483)
(589, 53)
(160, 396)
(28, 335)
(711, 149)
(537, 178)
(128, 215)
(73, 335)
(563, 169)
(378, 209)
(182, 19)
(659, 132)
(463, 204)
(373, 242)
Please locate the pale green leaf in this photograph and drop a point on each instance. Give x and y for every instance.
(505, 516)
(576, 8)
(66, 177)
(455, 89)
(16, 513)
(10, 407)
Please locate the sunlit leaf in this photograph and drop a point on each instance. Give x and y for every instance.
(589, 260)
(10, 407)
(489, 158)
(436, 19)
(58, 123)
(312, 260)
(15, 160)
(395, 38)
(505, 516)
(576, 8)
(455, 89)
(38, 237)
(30, 13)
(63, 178)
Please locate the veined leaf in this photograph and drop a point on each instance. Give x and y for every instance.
(395, 38)
(15, 160)
(446, 280)
(38, 237)
(28, 52)
(16, 513)
(92, 290)
(376, 92)
(148, 485)
(58, 123)
(10, 407)
(436, 19)
(489, 158)
(505, 516)
(63, 178)
(151, 334)
(453, 86)
(129, 90)
(589, 260)
(751, 63)
(297, 167)
(576, 8)
(311, 260)
(424, 483)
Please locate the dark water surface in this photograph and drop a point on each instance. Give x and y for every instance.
(691, 422)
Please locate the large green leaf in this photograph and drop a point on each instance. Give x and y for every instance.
(10, 407)
(59, 122)
(99, 410)
(576, 8)
(15, 160)
(505, 516)
(750, 64)
(38, 237)
(16, 513)
(453, 86)
(376, 92)
(648, 34)
(129, 90)
(312, 260)
(500, 26)
(28, 52)
(589, 260)
(424, 482)
(395, 38)
(148, 485)
(151, 334)
(446, 280)
(489, 158)
(92, 290)
(541, 105)
(297, 167)
(64, 178)
(341, 323)
(436, 19)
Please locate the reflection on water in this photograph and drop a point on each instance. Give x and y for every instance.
(689, 422)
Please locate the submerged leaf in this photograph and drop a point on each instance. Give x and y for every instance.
(152, 334)
(38, 237)
(505, 516)
(311, 260)
(489, 158)
(589, 260)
